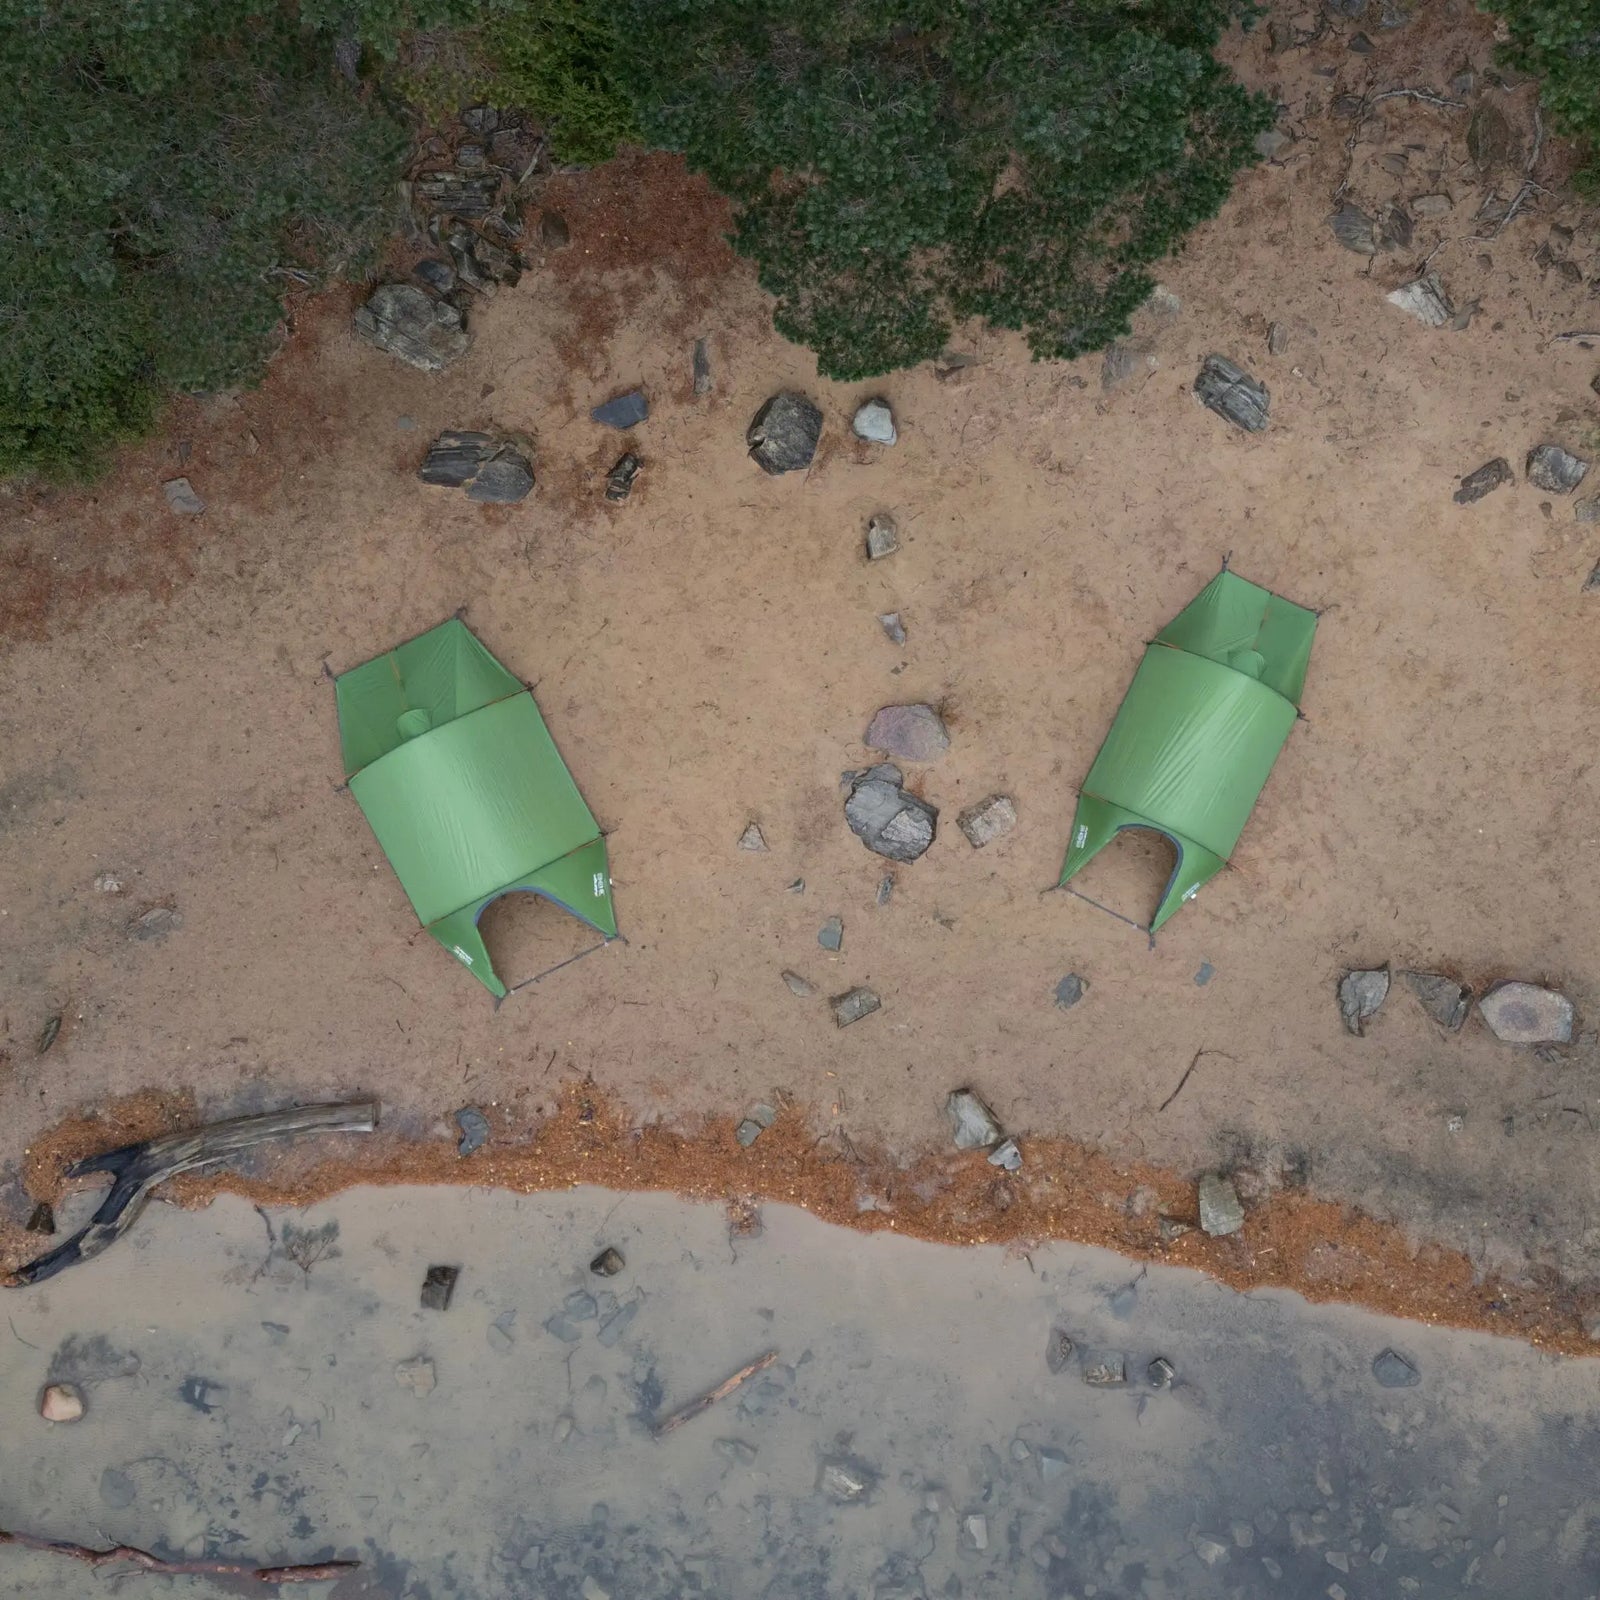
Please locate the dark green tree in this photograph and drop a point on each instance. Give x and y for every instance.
(170, 170)
(901, 164)
(1559, 41)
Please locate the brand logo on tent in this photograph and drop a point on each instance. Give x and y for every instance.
(462, 955)
(1082, 839)
(599, 884)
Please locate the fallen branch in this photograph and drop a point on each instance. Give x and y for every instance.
(1576, 333)
(319, 1572)
(136, 1170)
(710, 1398)
(1420, 94)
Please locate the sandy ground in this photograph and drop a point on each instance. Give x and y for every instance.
(709, 654)
(240, 1375)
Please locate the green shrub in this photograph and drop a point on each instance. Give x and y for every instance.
(169, 171)
(1559, 41)
(900, 164)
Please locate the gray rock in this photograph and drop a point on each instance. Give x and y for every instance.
(1424, 298)
(1587, 510)
(1220, 1210)
(155, 924)
(614, 1326)
(1211, 1551)
(1070, 991)
(459, 194)
(1126, 361)
(505, 479)
(1271, 143)
(42, 1219)
(1105, 1369)
(753, 839)
(757, 1120)
(989, 820)
(908, 733)
(1445, 1000)
(885, 889)
(701, 366)
(480, 120)
(426, 333)
(1233, 394)
(972, 1123)
(619, 480)
(1360, 995)
(874, 422)
(885, 818)
(893, 629)
(1355, 230)
(843, 1479)
(624, 411)
(470, 157)
(1359, 44)
(783, 434)
(1431, 207)
(182, 498)
(1525, 1013)
(453, 459)
(1277, 339)
(479, 264)
(883, 536)
(1555, 470)
(474, 1128)
(1160, 1373)
(975, 1532)
(416, 1375)
(853, 1005)
(1051, 1464)
(499, 1335)
(1058, 1351)
(1592, 583)
(831, 934)
(554, 234)
(1393, 1371)
(1483, 480)
(1007, 1156)
(62, 1402)
(438, 1284)
(117, 1489)
(799, 986)
(1204, 973)
(608, 1263)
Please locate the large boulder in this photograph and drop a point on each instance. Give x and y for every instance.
(426, 333)
(886, 819)
(783, 434)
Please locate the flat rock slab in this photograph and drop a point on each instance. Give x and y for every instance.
(1221, 1212)
(894, 629)
(1007, 1155)
(883, 536)
(874, 422)
(972, 1123)
(1393, 1371)
(1525, 1013)
(908, 733)
(491, 469)
(1070, 991)
(1483, 480)
(1105, 1369)
(783, 434)
(1424, 298)
(831, 934)
(1361, 993)
(753, 839)
(1355, 230)
(156, 923)
(425, 333)
(182, 498)
(989, 820)
(853, 1005)
(623, 412)
(885, 818)
(1555, 470)
(1232, 393)
(474, 1128)
(1444, 999)
(798, 985)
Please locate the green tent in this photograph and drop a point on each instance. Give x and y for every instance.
(1203, 721)
(469, 798)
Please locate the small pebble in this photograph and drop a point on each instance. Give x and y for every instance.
(474, 1128)
(831, 935)
(798, 985)
(61, 1402)
(752, 839)
(893, 628)
(1006, 1156)
(608, 1263)
(883, 537)
(416, 1375)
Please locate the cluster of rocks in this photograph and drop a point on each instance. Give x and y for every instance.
(783, 435)
(1549, 467)
(1515, 1012)
(1099, 1368)
(491, 468)
(973, 1126)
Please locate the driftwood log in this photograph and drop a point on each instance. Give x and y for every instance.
(136, 1169)
(319, 1572)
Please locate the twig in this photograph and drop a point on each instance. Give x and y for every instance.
(1186, 1073)
(320, 1572)
(710, 1398)
(1528, 186)
(1424, 95)
(1577, 333)
(137, 1169)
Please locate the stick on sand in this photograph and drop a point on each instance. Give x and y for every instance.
(319, 1573)
(710, 1398)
